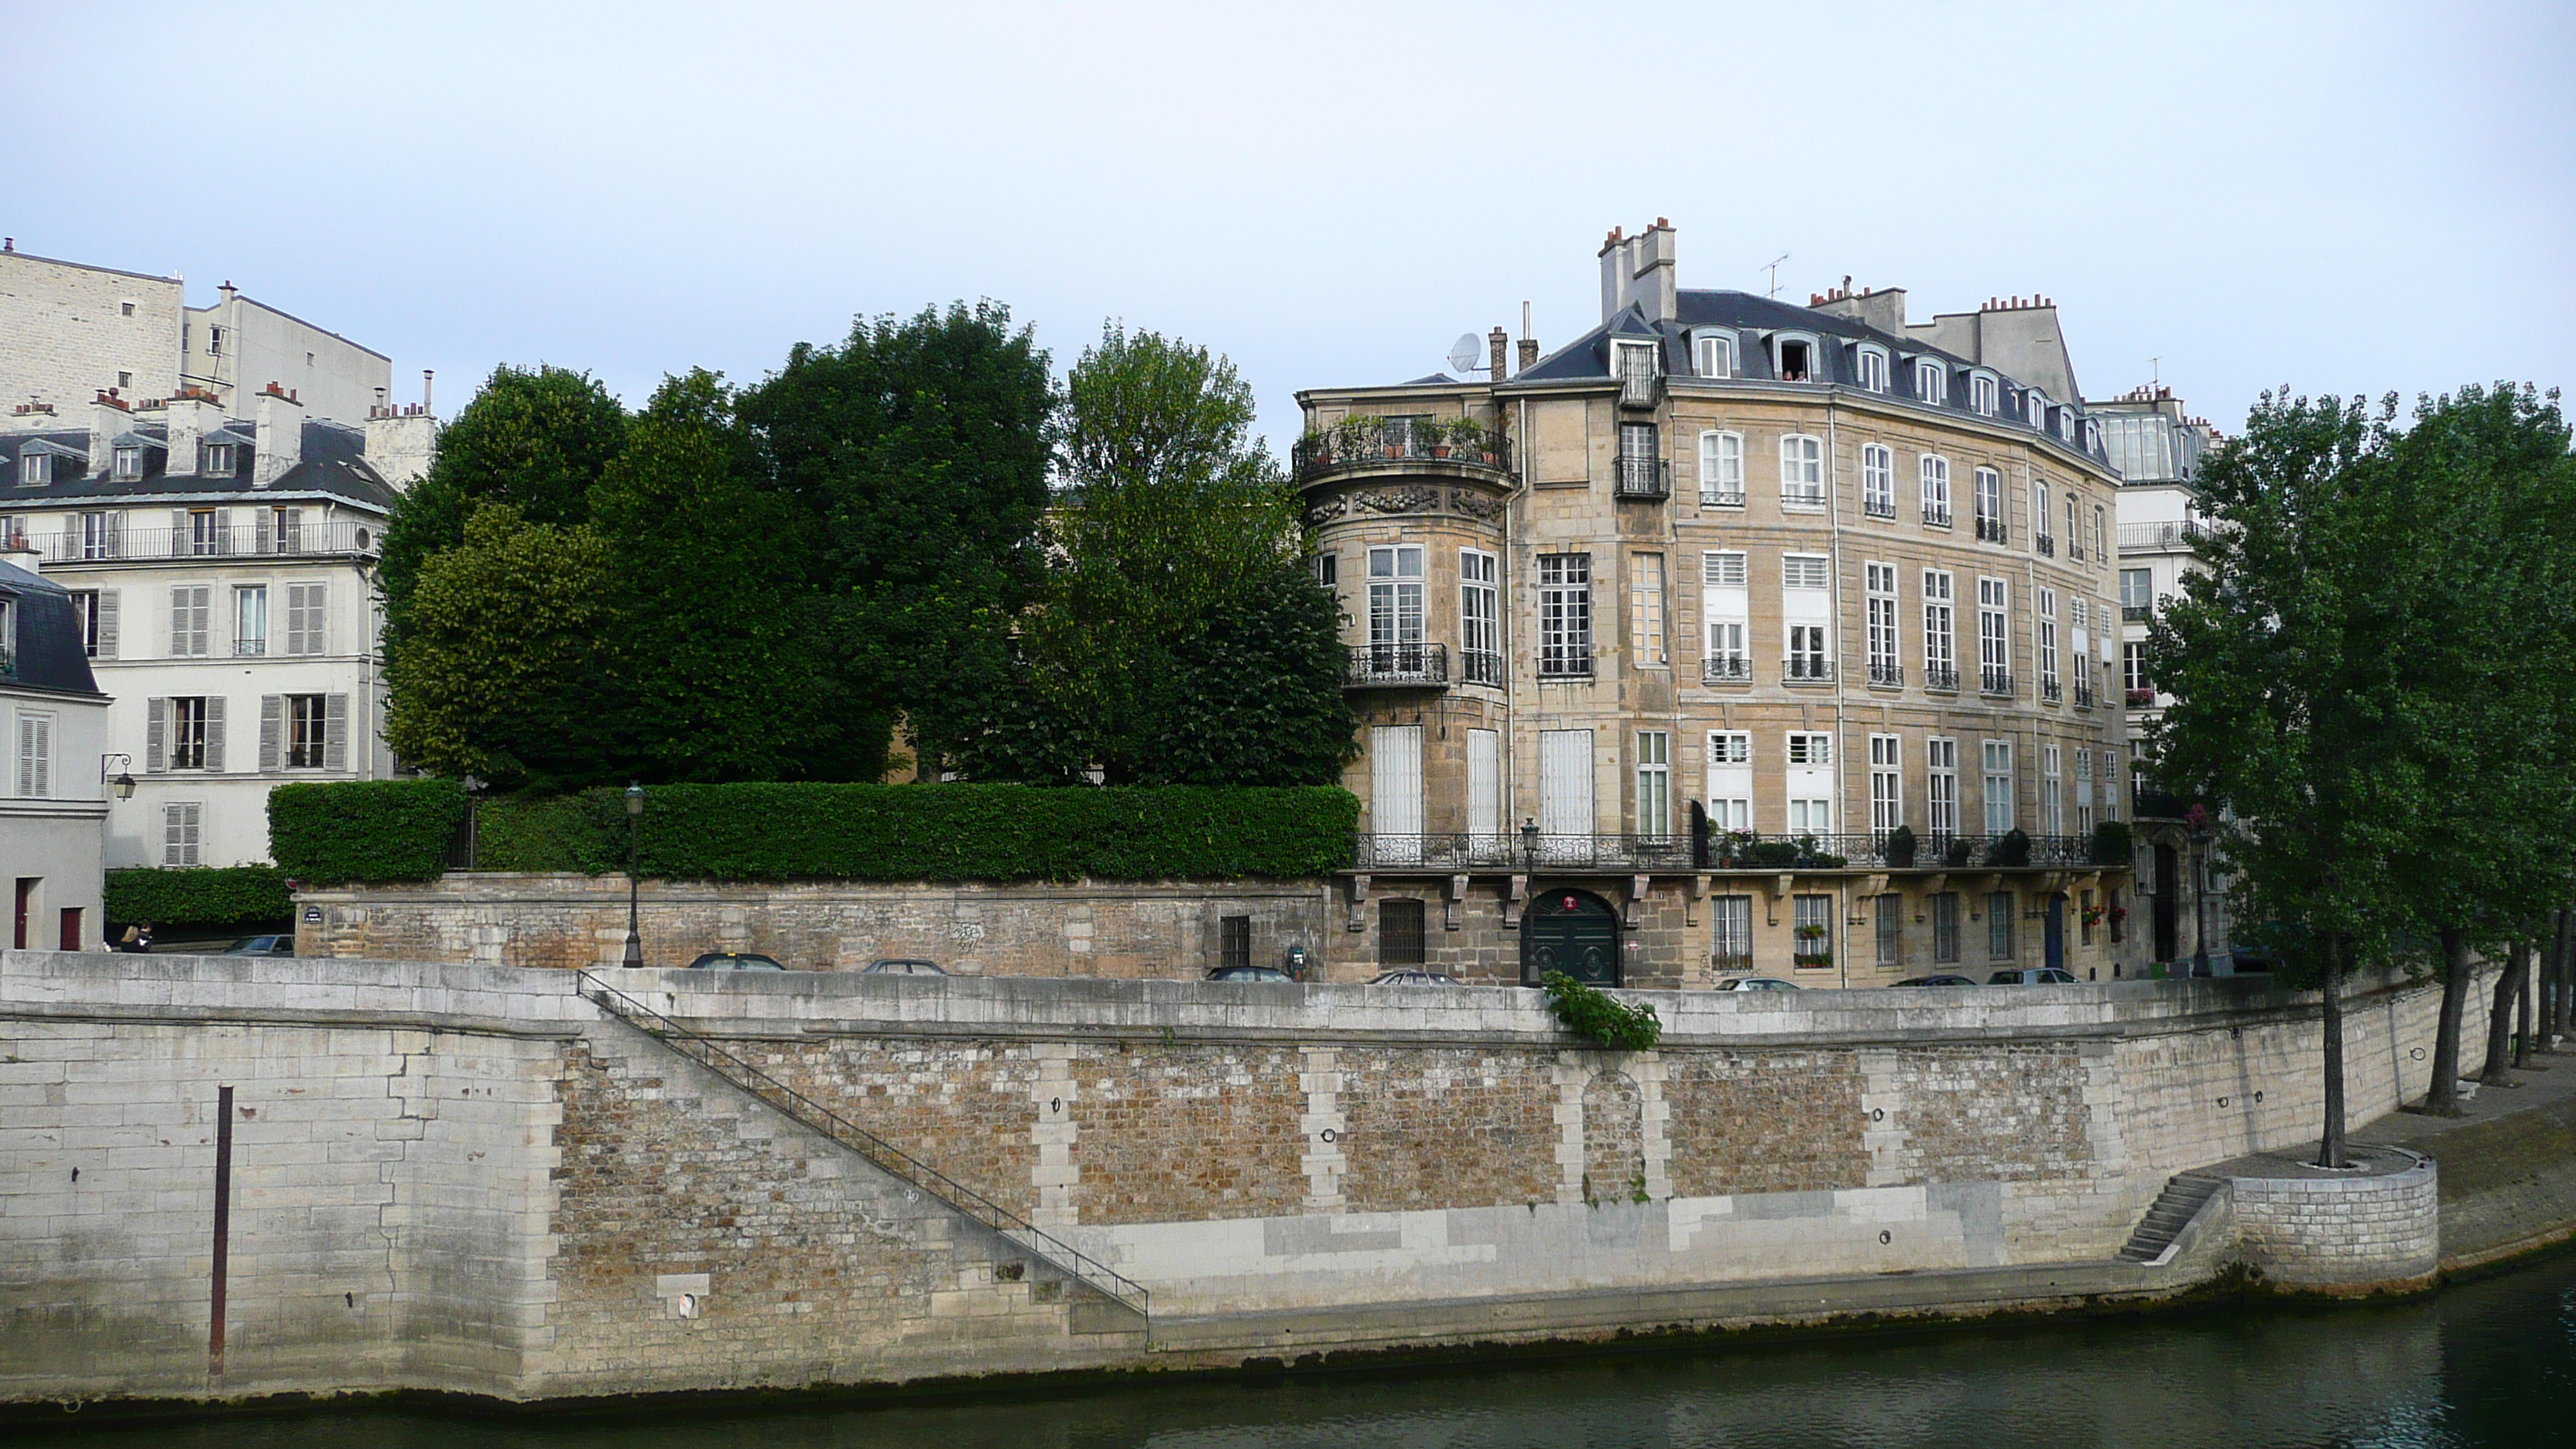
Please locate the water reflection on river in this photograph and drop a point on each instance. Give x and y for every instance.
(2491, 1362)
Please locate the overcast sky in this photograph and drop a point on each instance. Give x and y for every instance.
(2344, 197)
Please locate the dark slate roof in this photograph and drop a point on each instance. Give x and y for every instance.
(1587, 358)
(334, 468)
(1434, 380)
(49, 654)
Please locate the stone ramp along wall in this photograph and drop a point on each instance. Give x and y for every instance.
(466, 1177)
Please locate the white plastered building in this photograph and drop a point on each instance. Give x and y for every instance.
(53, 795)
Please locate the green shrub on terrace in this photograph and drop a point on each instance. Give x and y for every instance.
(363, 830)
(2112, 843)
(198, 895)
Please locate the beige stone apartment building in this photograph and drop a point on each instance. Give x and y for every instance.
(1734, 638)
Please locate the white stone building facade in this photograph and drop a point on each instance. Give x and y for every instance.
(53, 793)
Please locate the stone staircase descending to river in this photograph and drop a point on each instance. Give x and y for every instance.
(2172, 1211)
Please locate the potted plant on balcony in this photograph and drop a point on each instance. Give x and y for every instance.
(1733, 848)
(1900, 848)
(1958, 853)
(2111, 843)
(2011, 849)
(1440, 435)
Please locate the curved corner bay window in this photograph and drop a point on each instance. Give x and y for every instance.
(1565, 616)
(1395, 609)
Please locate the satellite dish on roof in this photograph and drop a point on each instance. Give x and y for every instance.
(1463, 353)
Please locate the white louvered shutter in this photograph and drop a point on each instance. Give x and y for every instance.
(180, 547)
(214, 733)
(335, 732)
(305, 613)
(107, 623)
(35, 756)
(156, 726)
(271, 707)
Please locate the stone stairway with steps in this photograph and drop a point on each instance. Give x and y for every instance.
(2174, 1208)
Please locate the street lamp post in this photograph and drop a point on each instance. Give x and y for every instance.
(634, 841)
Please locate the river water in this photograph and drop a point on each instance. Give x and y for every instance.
(2487, 1362)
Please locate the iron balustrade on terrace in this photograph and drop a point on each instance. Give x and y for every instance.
(2050, 692)
(2083, 692)
(1806, 669)
(1522, 851)
(1650, 478)
(2172, 537)
(1992, 530)
(1725, 669)
(1365, 441)
(1936, 518)
(2046, 543)
(1397, 666)
(238, 540)
(1480, 666)
(1887, 676)
(1995, 681)
(1940, 681)
(1721, 498)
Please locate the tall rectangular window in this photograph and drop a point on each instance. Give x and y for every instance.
(1891, 928)
(205, 532)
(1994, 642)
(85, 609)
(1999, 787)
(1399, 932)
(1940, 659)
(1932, 382)
(1565, 615)
(1984, 395)
(1654, 783)
(2052, 791)
(2047, 632)
(1936, 490)
(250, 620)
(1813, 928)
(2084, 793)
(1941, 786)
(307, 731)
(1721, 470)
(2074, 540)
(1884, 667)
(99, 534)
(1723, 608)
(1730, 780)
(1716, 356)
(190, 605)
(2101, 549)
(1989, 489)
(1646, 610)
(2133, 673)
(1945, 928)
(1641, 467)
(1810, 782)
(2137, 593)
(2040, 538)
(1886, 783)
(1480, 618)
(35, 755)
(1802, 471)
(182, 830)
(2110, 786)
(1999, 925)
(1877, 481)
(188, 732)
(1873, 369)
(1234, 946)
(1395, 604)
(1732, 938)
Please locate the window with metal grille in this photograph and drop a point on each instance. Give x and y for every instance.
(1802, 471)
(1399, 933)
(1813, 931)
(1883, 668)
(1999, 925)
(1941, 786)
(1565, 614)
(1734, 936)
(1945, 928)
(1940, 663)
(1721, 470)
(1234, 940)
(1890, 930)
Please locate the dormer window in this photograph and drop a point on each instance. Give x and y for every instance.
(1985, 395)
(2035, 406)
(1932, 381)
(1873, 368)
(1797, 360)
(34, 469)
(128, 463)
(218, 460)
(1714, 354)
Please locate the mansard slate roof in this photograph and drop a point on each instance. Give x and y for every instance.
(50, 655)
(334, 469)
(1587, 358)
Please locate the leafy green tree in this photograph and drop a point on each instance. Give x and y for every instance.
(1254, 696)
(725, 662)
(533, 438)
(511, 669)
(914, 460)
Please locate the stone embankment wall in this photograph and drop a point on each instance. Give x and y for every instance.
(2365, 1231)
(1149, 929)
(467, 1178)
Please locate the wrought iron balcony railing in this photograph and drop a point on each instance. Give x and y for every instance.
(239, 540)
(1640, 389)
(1878, 507)
(1992, 530)
(1725, 669)
(1940, 680)
(2136, 613)
(1995, 681)
(1887, 676)
(1480, 666)
(2083, 693)
(1936, 518)
(1806, 669)
(1564, 664)
(1397, 666)
(2050, 692)
(1721, 498)
(1363, 441)
(1650, 478)
(2045, 543)
(1744, 850)
(2172, 537)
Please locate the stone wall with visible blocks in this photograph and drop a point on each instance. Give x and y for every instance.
(2375, 1228)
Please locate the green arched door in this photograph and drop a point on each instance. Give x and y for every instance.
(1575, 932)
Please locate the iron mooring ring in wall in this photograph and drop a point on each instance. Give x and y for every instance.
(1885, 1237)
(1329, 1135)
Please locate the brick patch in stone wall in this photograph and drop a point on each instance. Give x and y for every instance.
(2010, 1112)
(1764, 1122)
(1448, 1127)
(963, 1107)
(1188, 1132)
(1614, 1163)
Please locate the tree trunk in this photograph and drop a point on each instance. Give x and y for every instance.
(2522, 1043)
(2330, 1146)
(2562, 992)
(2500, 1019)
(2442, 1094)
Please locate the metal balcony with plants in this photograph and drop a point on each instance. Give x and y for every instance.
(1372, 441)
(1678, 852)
(1397, 666)
(338, 538)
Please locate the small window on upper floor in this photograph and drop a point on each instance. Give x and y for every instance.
(1873, 368)
(1984, 395)
(214, 342)
(2034, 406)
(34, 469)
(125, 309)
(1797, 360)
(129, 464)
(219, 460)
(1932, 381)
(124, 380)
(1713, 353)
(308, 359)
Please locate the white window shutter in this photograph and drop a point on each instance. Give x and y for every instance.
(44, 753)
(335, 732)
(180, 547)
(178, 622)
(316, 597)
(214, 733)
(107, 623)
(270, 707)
(156, 724)
(26, 757)
(173, 827)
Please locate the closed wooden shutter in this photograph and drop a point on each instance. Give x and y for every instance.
(1565, 782)
(271, 710)
(214, 732)
(305, 613)
(335, 732)
(1395, 780)
(179, 544)
(107, 623)
(156, 728)
(35, 756)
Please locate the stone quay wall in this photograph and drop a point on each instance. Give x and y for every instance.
(468, 1178)
(1127, 930)
(2365, 1231)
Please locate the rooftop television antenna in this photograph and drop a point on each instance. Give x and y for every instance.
(1773, 267)
(1463, 353)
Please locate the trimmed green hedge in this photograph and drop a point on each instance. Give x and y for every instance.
(839, 832)
(363, 830)
(199, 896)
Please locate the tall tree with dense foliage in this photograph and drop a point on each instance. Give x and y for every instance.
(535, 439)
(1181, 638)
(914, 460)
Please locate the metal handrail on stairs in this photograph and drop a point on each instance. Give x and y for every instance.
(717, 1058)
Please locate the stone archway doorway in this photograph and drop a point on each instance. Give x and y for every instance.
(1572, 931)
